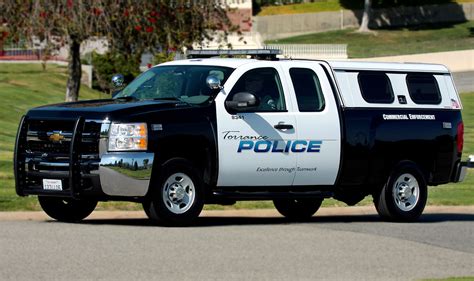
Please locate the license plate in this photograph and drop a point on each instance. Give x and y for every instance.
(52, 184)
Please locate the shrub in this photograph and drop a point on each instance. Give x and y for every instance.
(163, 57)
(110, 63)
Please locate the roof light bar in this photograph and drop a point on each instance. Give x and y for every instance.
(253, 53)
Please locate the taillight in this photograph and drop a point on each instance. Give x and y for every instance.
(460, 137)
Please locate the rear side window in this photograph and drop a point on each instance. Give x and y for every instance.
(423, 88)
(308, 90)
(375, 87)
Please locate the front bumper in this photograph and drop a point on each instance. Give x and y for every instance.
(126, 173)
(82, 174)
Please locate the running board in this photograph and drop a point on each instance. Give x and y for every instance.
(268, 195)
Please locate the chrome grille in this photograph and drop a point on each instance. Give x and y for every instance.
(47, 153)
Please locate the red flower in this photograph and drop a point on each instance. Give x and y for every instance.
(69, 3)
(153, 13)
(138, 28)
(148, 65)
(149, 29)
(152, 20)
(42, 14)
(126, 13)
(96, 11)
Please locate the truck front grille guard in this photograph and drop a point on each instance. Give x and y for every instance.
(74, 165)
(19, 158)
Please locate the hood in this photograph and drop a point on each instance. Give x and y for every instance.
(100, 109)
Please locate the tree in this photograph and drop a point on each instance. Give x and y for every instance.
(164, 26)
(364, 25)
(67, 21)
(131, 27)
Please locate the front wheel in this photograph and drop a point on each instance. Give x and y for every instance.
(177, 198)
(403, 197)
(297, 209)
(65, 209)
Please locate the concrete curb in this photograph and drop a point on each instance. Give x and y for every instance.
(256, 213)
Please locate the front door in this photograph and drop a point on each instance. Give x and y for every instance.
(255, 146)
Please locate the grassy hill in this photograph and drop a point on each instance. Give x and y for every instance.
(392, 42)
(23, 86)
(335, 5)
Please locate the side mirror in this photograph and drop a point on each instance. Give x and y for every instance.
(118, 81)
(242, 101)
(213, 82)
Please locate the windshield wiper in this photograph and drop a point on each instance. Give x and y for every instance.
(126, 98)
(167, 98)
(172, 99)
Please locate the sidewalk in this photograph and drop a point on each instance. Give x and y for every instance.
(456, 61)
(257, 213)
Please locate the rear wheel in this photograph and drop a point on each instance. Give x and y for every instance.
(178, 196)
(66, 209)
(403, 197)
(297, 209)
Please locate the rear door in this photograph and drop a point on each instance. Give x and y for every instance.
(317, 122)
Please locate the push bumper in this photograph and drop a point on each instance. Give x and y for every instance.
(105, 174)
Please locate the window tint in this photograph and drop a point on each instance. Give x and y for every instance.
(308, 90)
(375, 87)
(423, 89)
(184, 82)
(265, 84)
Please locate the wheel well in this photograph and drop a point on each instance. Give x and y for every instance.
(420, 165)
(393, 166)
(199, 153)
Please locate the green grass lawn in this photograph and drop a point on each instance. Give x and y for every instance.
(391, 42)
(332, 5)
(25, 86)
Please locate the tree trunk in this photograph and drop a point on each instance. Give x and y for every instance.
(74, 70)
(364, 26)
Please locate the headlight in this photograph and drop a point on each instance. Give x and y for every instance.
(128, 136)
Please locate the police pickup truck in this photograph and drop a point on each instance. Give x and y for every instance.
(218, 130)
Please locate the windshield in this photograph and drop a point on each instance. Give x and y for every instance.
(184, 82)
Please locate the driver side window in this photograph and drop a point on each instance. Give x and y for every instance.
(265, 84)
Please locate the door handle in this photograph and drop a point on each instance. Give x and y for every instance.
(283, 126)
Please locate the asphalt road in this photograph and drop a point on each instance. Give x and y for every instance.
(259, 246)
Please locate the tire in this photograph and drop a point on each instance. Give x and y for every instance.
(177, 196)
(403, 197)
(65, 209)
(297, 209)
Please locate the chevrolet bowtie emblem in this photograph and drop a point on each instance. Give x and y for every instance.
(56, 137)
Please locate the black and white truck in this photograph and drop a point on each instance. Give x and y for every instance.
(218, 130)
